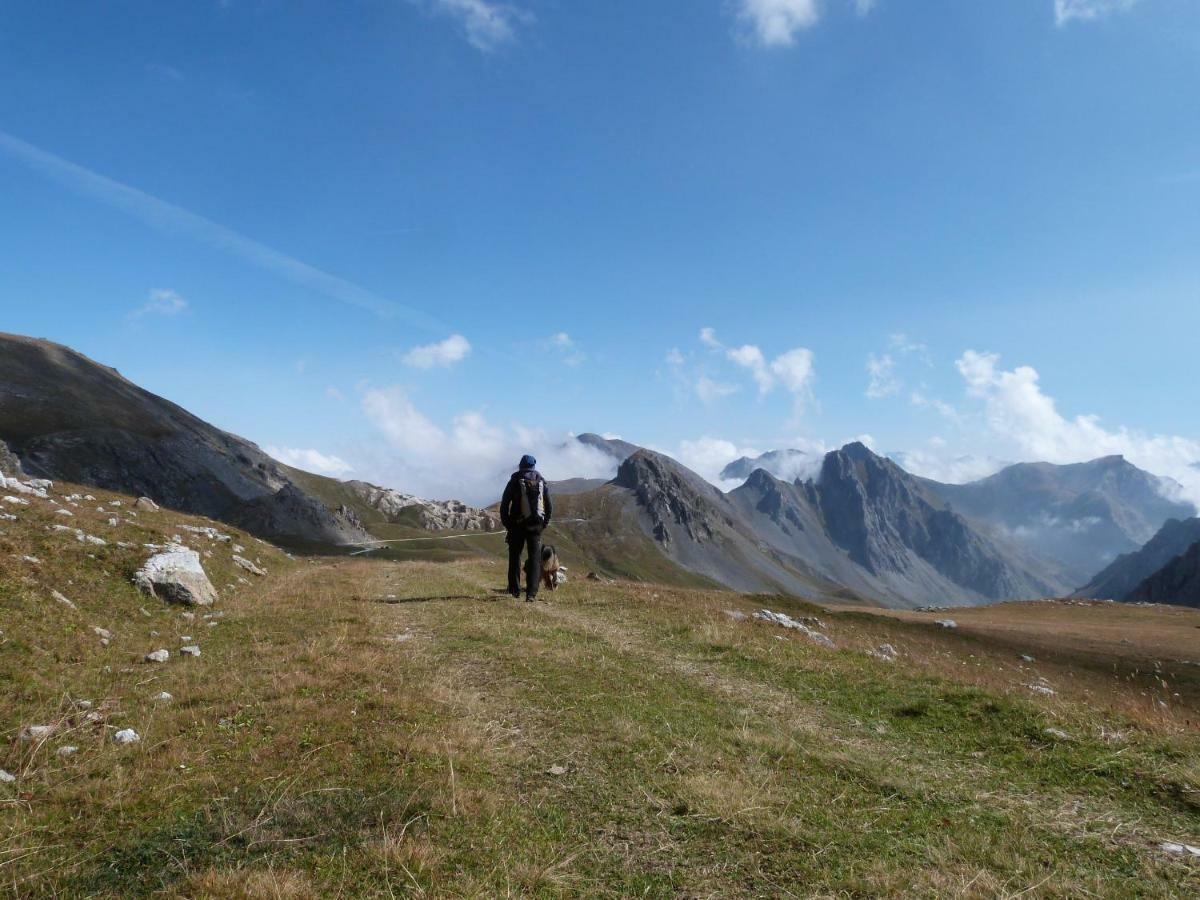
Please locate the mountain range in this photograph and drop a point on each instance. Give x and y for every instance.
(846, 525)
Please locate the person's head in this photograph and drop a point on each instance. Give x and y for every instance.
(527, 462)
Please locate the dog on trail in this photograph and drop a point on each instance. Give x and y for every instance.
(554, 573)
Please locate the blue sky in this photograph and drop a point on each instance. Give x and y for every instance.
(968, 231)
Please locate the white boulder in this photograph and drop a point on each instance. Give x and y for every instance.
(126, 736)
(158, 656)
(176, 576)
(248, 566)
(145, 504)
(190, 650)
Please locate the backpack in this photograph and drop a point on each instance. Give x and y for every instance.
(531, 494)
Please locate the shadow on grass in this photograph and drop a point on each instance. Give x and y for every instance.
(392, 601)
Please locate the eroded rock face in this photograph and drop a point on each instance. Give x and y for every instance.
(176, 576)
(432, 515)
(9, 464)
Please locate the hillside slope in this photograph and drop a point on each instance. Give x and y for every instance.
(68, 418)
(1128, 570)
(1177, 582)
(363, 728)
(1082, 516)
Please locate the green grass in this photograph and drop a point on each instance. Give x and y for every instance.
(620, 740)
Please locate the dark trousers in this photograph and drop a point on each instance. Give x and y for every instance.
(518, 541)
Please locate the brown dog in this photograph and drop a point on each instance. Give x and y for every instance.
(551, 568)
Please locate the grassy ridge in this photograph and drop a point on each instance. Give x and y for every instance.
(370, 728)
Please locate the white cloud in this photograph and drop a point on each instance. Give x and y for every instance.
(793, 369)
(674, 358)
(444, 353)
(334, 394)
(487, 25)
(1027, 421)
(708, 390)
(567, 348)
(882, 370)
(1066, 11)
(162, 302)
(937, 464)
(311, 461)
(470, 459)
(775, 23)
(707, 456)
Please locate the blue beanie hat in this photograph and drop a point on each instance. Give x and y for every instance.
(528, 462)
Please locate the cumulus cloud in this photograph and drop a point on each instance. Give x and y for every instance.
(707, 456)
(468, 458)
(1020, 415)
(1066, 11)
(311, 461)
(162, 302)
(775, 23)
(443, 353)
(793, 369)
(487, 25)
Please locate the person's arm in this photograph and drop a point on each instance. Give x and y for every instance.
(548, 502)
(506, 506)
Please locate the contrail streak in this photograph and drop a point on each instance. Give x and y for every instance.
(169, 217)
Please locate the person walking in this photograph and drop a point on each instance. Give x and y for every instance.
(525, 512)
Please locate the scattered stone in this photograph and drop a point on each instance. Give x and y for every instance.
(190, 650)
(163, 697)
(31, 733)
(153, 634)
(1181, 849)
(185, 637)
(145, 504)
(1056, 733)
(114, 502)
(102, 633)
(7, 778)
(63, 600)
(64, 512)
(884, 652)
(158, 656)
(32, 560)
(1027, 658)
(556, 770)
(114, 522)
(64, 752)
(736, 614)
(248, 566)
(1039, 688)
(211, 533)
(394, 638)
(946, 623)
(89, 497)
(125, 545)
(7, 517)
(94, 718)
(176, 576)
(238, 548)
(126, 736)
(15, 501)
(188, 616)
(592, 576)
(786, 621)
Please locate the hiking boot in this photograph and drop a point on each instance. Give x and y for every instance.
(529, 598)
(516, 595)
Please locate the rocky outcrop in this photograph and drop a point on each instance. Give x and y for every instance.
(66, 417)
(1178, 582)
(432, 515)
(9, 464)
(176, 576)
(1129, 570)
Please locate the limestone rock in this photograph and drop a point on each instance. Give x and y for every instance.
(190, 650)
(31, 733)
(145, 504)
(786, 621)
(176, 576)
(946, 623)
(64, 752)
(126, 736)
(158, 656)
(7, 778)
(250, 567)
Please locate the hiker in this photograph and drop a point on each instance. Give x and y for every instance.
(525, 512)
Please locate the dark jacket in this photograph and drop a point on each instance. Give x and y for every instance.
(510, 504)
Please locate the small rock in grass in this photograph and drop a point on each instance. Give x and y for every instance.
(83, 704)
(64, 512)
(1180, 849)
(6, 778)
(102, 633)
(190, 650)
(63, 600)
(32, 560)
(114, 522)
(556, 770)
(1044, 689)
(64, 752)
(187, 616)
(145, 504)
(126, 736)
(1056, 733)
(946, 623)
(163, 697)
(248, 566)
(158, 656)
(31, 733)
(1025, 657)
(153, 634)
(885, 652)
